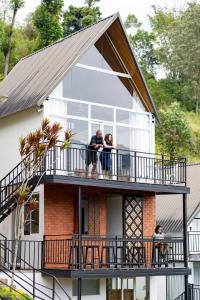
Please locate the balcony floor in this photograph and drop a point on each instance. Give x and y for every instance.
(115, 184)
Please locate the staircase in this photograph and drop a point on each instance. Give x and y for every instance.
(194, 293)
(8, 188)
(27, 281)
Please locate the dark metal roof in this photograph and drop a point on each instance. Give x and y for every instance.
(169, 207)
(34, 77)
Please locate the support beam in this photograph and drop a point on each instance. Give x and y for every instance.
(185, 244)
(79, 238)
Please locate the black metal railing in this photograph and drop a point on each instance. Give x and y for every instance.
(112, 252)
(194, 242)
(54, 290)
(193, 293)
(121, 165)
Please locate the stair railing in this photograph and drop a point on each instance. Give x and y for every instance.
(35, 286)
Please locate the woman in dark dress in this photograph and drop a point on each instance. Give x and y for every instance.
(105, 156)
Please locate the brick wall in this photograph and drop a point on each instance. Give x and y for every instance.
(149, 214)
(58, 210)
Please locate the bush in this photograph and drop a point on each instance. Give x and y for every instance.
(7, 294)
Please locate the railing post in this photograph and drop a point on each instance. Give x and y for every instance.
(185, 244)
(135, 165)
(33, 283)
(79, 238)
(43, 253)
(54, 160)
(162, 171)
(53, 289)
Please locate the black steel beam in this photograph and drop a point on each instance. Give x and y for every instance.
(79, 239)
(125, 273)
(112, 184)
(185, 244)
(130, 273)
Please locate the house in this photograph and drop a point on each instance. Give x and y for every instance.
(169, 216)
(91, 236)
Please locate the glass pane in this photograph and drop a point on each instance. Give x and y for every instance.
(83, 84)
(107, 129)
(94, 128)
(94, 58)
(125, 117)
(57, 107)
(80, 128)
(124, 137)
(102, 113)
(77, 109)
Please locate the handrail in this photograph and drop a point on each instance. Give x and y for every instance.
(38, 270)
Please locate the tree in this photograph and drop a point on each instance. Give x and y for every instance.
(46, 19)
(91, 3)
(33, 150)
(143, 44)
(76, 18)
(15, 5)
(173, 134)
(179, 45)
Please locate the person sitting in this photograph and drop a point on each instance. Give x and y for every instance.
(162, 247)
(96, 143)
(105, 156)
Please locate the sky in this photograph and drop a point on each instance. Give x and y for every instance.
(141, 8)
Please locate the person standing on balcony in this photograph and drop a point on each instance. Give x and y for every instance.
(162, 246)
(96, 143)
(105, 156)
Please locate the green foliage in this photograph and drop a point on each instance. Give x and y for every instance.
(143, 43)
(174, 133)
(178, 43)
(46, 19)
(76, 18)
(13, 295)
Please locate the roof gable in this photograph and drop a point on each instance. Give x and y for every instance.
(33, 79)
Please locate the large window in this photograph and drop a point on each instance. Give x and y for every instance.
(95, 98)
(31, 216)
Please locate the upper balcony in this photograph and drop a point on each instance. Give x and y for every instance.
(128, 170)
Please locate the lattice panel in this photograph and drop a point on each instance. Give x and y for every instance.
(133, 217)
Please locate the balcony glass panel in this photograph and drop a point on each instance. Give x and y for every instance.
(125, 117)
(77, 109)
(102, 113)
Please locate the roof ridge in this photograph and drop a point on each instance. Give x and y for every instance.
(68, 36)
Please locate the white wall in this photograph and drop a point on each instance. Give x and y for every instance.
(11, 128)
(65, 282)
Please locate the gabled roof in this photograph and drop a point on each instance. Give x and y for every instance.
(34, 77)
(169, 207)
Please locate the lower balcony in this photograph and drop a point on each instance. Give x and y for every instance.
(113, 256)
(98, 256)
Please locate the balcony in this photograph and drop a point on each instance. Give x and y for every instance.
(128, 169)
(99, 256)
(194, 245)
